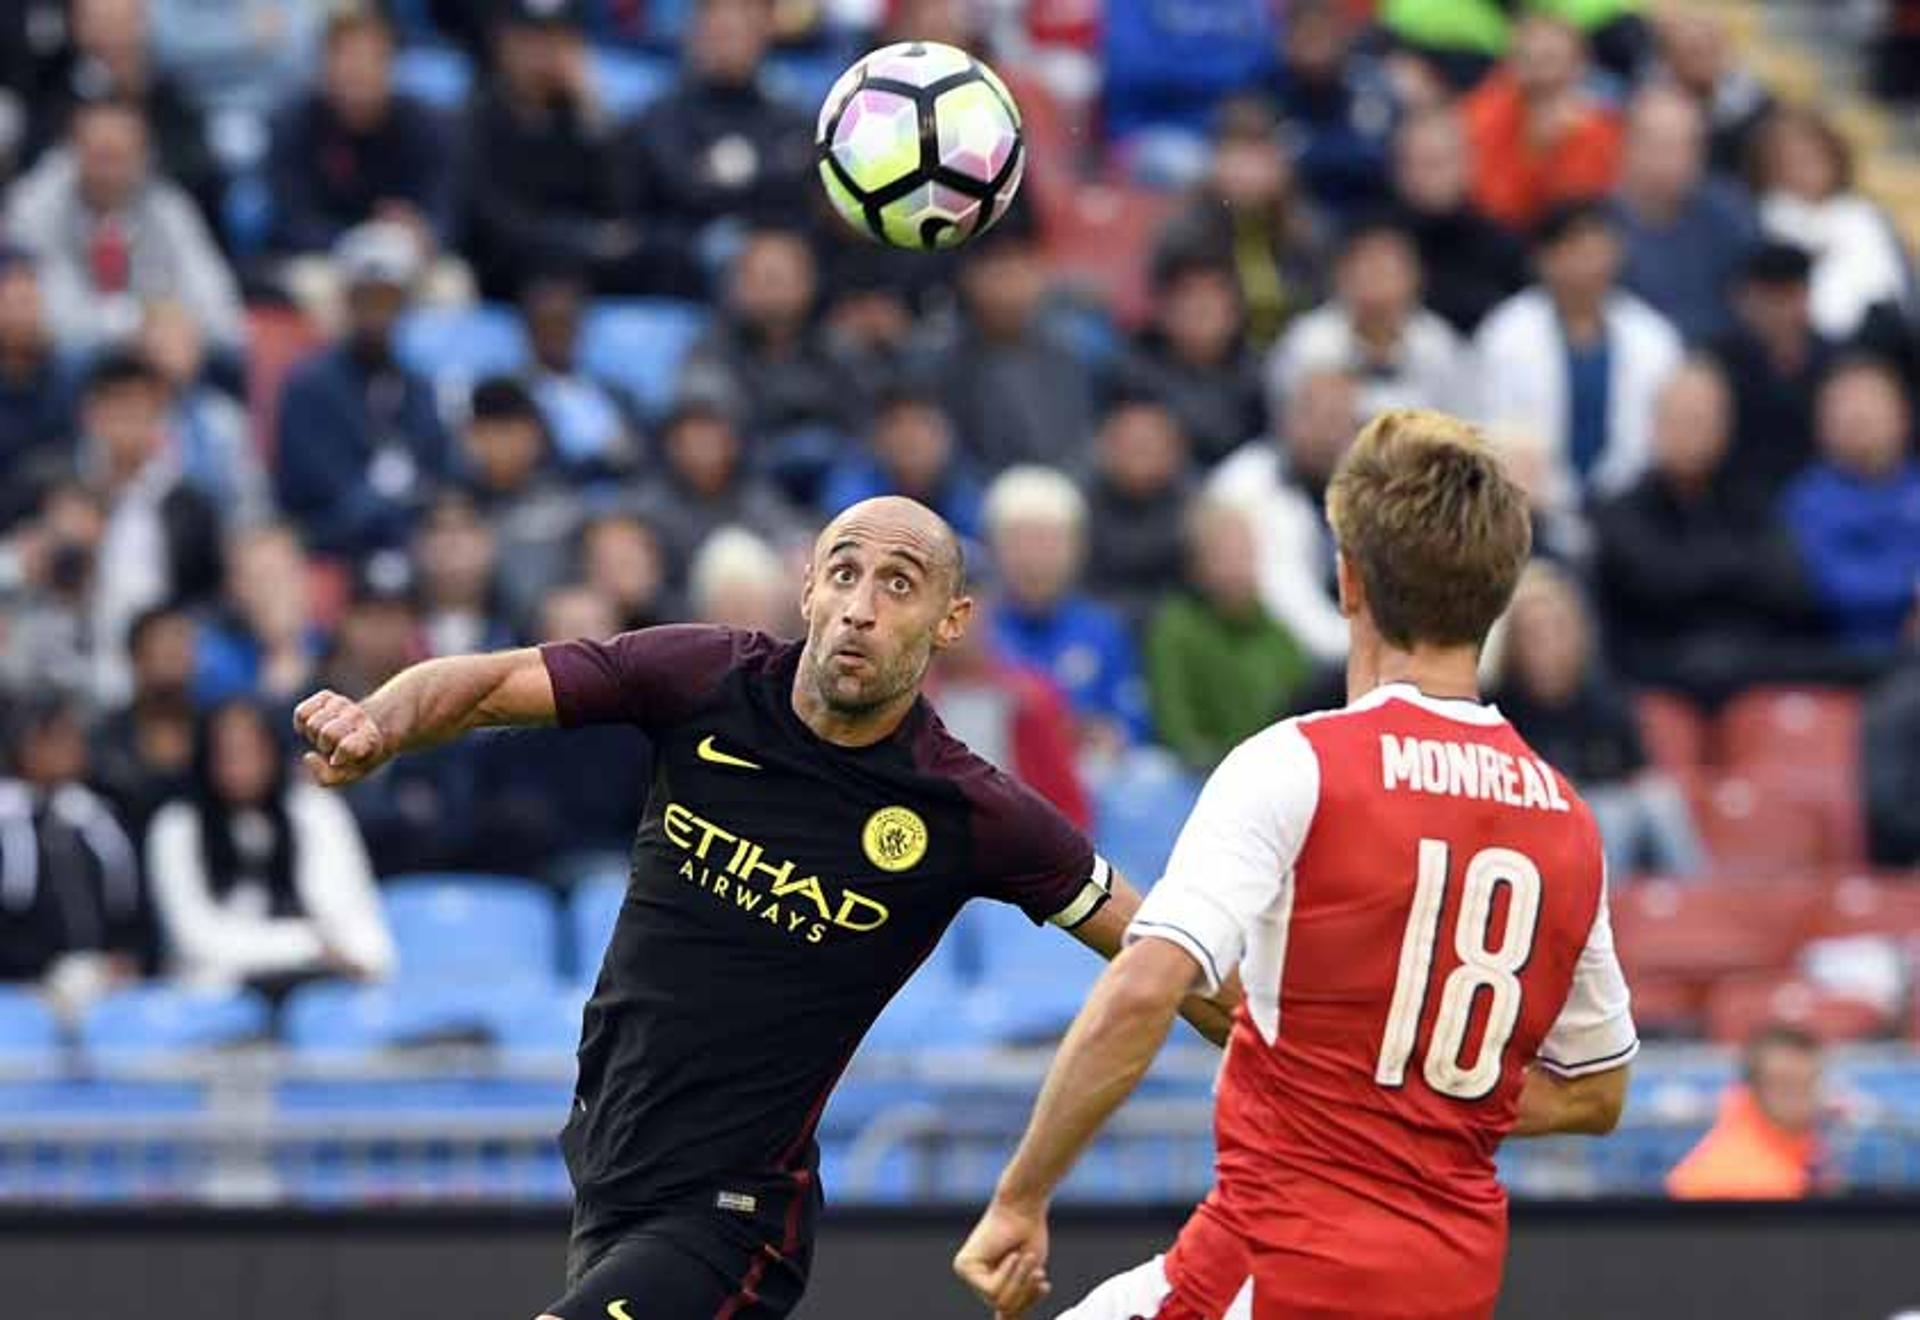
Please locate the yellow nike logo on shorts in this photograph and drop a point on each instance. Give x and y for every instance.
(708, 752)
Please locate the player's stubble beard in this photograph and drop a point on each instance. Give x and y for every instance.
(891, 680)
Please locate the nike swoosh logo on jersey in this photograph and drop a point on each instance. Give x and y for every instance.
(708, 752)
(617, 1308)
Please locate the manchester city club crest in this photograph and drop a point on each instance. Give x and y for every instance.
(895, 838)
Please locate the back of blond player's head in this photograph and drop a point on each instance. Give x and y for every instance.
(1428, 519)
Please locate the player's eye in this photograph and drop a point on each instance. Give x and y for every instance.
(900, 584)
(843, 576)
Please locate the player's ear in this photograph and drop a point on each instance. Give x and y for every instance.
(806, 592)
(1353, 592)
(953, 624)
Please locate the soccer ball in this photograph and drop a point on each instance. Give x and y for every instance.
(920, 146)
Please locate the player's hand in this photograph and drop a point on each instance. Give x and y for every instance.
(348, 745)
(1005, 1259)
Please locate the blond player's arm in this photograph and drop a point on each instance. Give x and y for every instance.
(423, 706)
(1105, 933)
(1586, 1106)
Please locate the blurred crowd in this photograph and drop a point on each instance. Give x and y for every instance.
(243, 238)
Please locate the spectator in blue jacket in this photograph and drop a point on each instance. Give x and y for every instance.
(910, 451)
(1684, 237)
(1855, 512)
(1168, 63)
(361, 444)
(1037, 531)
(1338, 107)
(355, 150)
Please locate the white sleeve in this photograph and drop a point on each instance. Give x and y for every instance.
(1234, 858)
(1594, 1032)
(335, 879)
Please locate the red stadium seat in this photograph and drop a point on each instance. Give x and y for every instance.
(1675, 732)
(1741, 1005)
(1098, 240)
(1856, 904)
(1761, 825)
(1794, 731)
(1699, 932)
(277, 337)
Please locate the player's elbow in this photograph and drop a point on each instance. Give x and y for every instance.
(1604, 1103)
(1146, 983)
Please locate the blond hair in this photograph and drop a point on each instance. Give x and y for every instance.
(1425, 513)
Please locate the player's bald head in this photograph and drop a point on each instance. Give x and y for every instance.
(905, 526)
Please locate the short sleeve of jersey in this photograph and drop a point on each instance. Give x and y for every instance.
(1594, 1032)
(652, 677)
(1029, 855)
(1235, 855)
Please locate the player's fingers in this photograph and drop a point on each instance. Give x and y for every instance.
(985, 1277)
(360, 744)
(330, 735)
(323, 774)
(314, 711)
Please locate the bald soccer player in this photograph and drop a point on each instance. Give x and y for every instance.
(811, 831)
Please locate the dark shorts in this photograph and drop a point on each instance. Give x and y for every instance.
(731, 1255)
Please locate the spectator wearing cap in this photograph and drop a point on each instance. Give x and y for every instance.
(1684, 237)
(1697, 56)
(1137, 495)
(1280, 483)
(209, 429)
(260, 877)
(1011, 714)
(1775, 360)
(797, 401)
(1576, 361)
(1471, 264)
(112, 57)
(1338, 105)
(1802, 172)
(260, 639)
(718, 149)
(110, 233)
(589, 422)
(1015, 393)
(512, 481)
(1037, 532)
(73, 912)
(546, 182)
(1855, 513)
(706, 484)
(162, 537)
(554, 804)
(1219, 667)
(1539, 138)
(1699, 590)
(354, 149)
(454, 559)
(360, 442)
(1251, 210)
(1193, 356)
(34, 433)
(1377, 330)
(910, 451)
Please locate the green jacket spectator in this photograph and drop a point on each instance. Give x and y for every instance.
(1219, 668)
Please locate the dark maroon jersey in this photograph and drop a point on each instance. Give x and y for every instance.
(783, 888)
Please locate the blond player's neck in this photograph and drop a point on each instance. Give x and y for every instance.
(1438, 671)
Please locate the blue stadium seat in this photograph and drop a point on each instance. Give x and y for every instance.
(591, 913)
(157, 1019)
(1138, 813)
(627, 83)
(464, 343)
(28, 1030)
(437, 76)
(474, 928)
(803, 80)
(1032, 979)
(341, 1017)
(639, 344)
(541, 1021)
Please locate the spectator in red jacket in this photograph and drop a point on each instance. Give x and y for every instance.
(1538, 137)
(1012, 715)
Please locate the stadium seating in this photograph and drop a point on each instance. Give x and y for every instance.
(29, 1032)
(1138, 813)
(1808, 732)
(1685, 937)
(627, 82)
(473, 928)
(1677, 736)
(150, 1020)
(591, 912)
(639, 344)
(1740, 1005)
(461, 344)
(342, 1018)
(435, 75)
(1764, 823)
(1031, 980)
(277, 338)
(1096, 239)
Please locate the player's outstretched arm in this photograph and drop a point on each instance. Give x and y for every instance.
(420, 707)
(1105, 933)
(1589, 1105)
(1105, 1054)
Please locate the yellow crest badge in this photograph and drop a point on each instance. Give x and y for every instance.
(895, 838)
